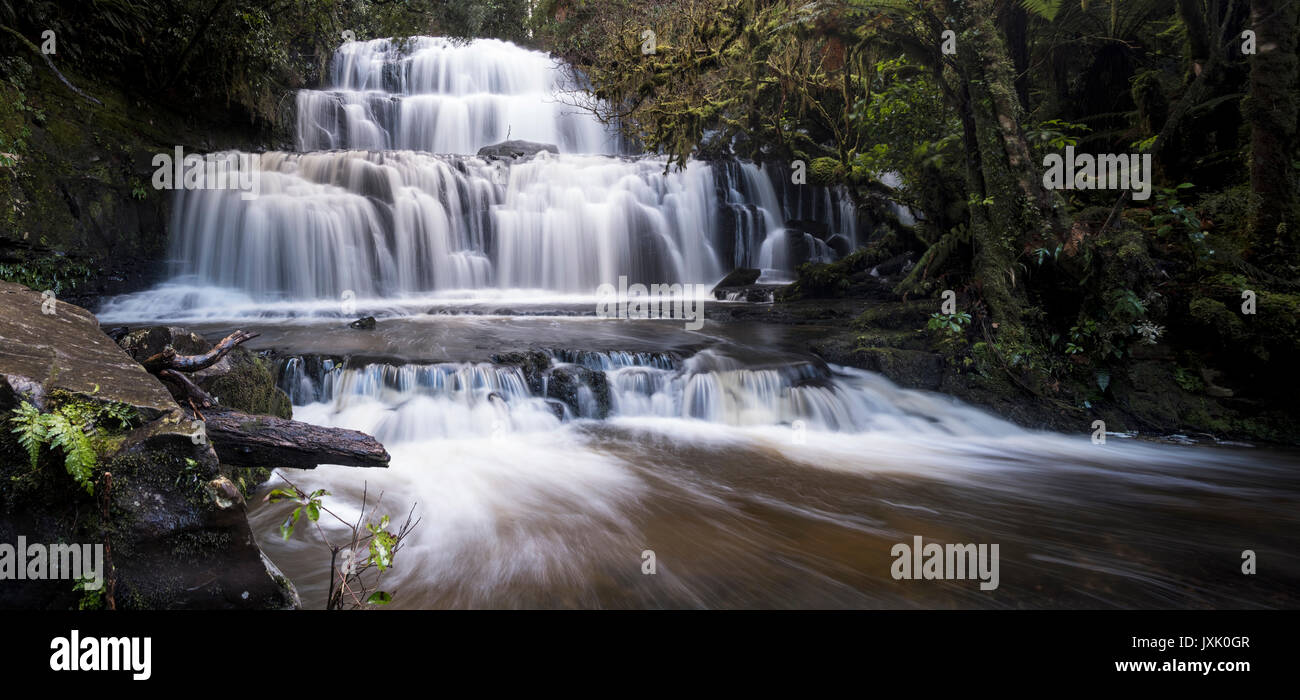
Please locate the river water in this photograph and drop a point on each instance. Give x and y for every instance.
(750, 472)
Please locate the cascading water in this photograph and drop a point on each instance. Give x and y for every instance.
(757, 474)
(377, 223)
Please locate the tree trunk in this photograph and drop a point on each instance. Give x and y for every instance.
(245, 440)
(1271, 111)
(1014, 207)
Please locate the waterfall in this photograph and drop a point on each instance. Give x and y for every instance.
(402, 403)
(387, 198)
(433, 94)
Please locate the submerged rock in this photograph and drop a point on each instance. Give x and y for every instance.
(516, 149)
(566, 383)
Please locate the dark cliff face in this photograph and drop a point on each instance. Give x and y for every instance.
(170, 517)
(83, 217)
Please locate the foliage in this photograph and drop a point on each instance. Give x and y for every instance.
(350, 582)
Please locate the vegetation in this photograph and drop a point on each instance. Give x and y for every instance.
(1060, 285)
(368, 551)
(70, 427)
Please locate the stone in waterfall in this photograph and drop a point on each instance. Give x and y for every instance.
(177, 537)
(516, 149)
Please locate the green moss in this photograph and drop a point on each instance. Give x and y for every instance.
(249, 387)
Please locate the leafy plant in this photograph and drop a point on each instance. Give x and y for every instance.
(91, 599)
(36, 429)
(954, 323)
(69, 427)
(349, 584)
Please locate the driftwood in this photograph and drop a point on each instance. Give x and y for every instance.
(245, 440)
(168, 359)
(184, 390)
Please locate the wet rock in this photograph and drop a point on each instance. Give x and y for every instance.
(841, 245)
(533, 364)
(172, 544)
(911, 369)
(817, 229)
(364, 323)
(224, 493)
(739, 277)
(741, 285)
(565, 383)
(516, 149)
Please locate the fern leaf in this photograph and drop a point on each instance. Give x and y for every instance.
(1047, 9)
(31, 430)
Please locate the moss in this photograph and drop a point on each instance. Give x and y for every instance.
(249, 387)
(1213, 316)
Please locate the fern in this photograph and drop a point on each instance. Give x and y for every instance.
(1047, 9)
(30, 428)
(61, 431)
(79, 454)
(934, 257)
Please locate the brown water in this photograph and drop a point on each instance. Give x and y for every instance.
(744, 510)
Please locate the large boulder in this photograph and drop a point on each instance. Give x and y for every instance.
(47, 345)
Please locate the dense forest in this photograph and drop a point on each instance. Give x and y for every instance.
(955, 103)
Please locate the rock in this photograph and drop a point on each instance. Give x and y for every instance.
(741, 285)
(42, 352)
(910, 369)
(515, 150)
(364, 323)
(739, 277)
(565, 383)
(532, 363)
(841, 245)
(224, 493)
(173, 542)
(817, 229)
(754, 293)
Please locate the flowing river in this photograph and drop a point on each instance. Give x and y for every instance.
(750, 471)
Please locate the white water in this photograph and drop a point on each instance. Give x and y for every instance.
(373, 223)
(439, 96)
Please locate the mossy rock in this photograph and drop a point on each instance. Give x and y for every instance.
(247, 386)
(910, 369)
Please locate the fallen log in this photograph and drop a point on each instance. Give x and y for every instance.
(245, 440)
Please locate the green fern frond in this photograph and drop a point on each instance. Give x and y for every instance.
(79, 454)
(30, 427)
(1046, 9)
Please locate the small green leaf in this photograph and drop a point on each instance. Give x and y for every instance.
(277, 495)
(286, 527)
(379, 598)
